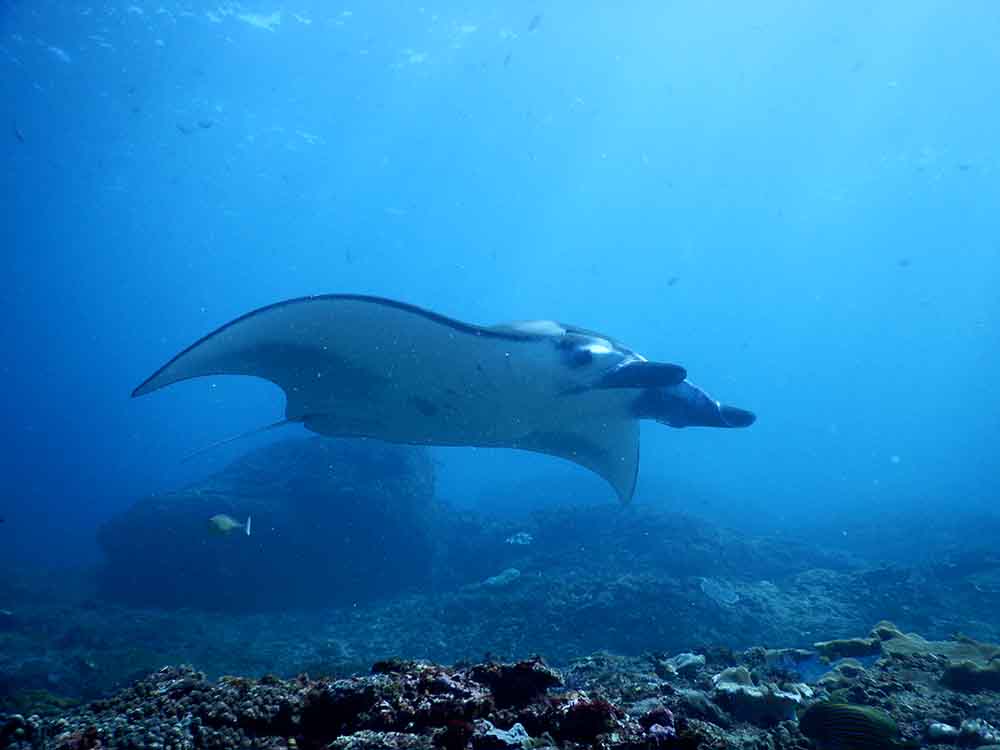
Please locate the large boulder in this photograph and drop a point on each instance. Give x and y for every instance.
(334, 522)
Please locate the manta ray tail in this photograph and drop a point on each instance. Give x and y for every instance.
(233, 439)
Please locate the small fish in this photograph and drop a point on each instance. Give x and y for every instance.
(205, 124)
(904, 262)
(506, 59)
(521, 537)
(60, 54)
(846, 726)
(18, 133)
(225, 524)
(536, 21)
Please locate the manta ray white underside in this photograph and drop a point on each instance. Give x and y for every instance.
(353, 365)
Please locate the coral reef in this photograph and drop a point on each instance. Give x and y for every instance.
(969, 676)
(735, 691)
(601, 701)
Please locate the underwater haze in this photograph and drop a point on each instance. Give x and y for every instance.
(797, 201)
(794, 201)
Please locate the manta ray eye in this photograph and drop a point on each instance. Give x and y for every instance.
(580, 357)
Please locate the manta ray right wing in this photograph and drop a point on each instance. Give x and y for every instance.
(608, 447)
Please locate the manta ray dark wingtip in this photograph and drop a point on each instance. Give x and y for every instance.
(146, 386)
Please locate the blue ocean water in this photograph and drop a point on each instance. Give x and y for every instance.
(796, 201)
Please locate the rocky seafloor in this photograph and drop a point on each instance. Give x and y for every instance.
(945, 693)
(636, 588)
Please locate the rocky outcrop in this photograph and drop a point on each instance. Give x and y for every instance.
(334, 522)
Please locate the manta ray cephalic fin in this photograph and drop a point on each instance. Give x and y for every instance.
(643, 375)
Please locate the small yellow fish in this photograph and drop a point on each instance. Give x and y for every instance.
(224, 524)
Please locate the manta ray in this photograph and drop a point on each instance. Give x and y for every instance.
(354, 365)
